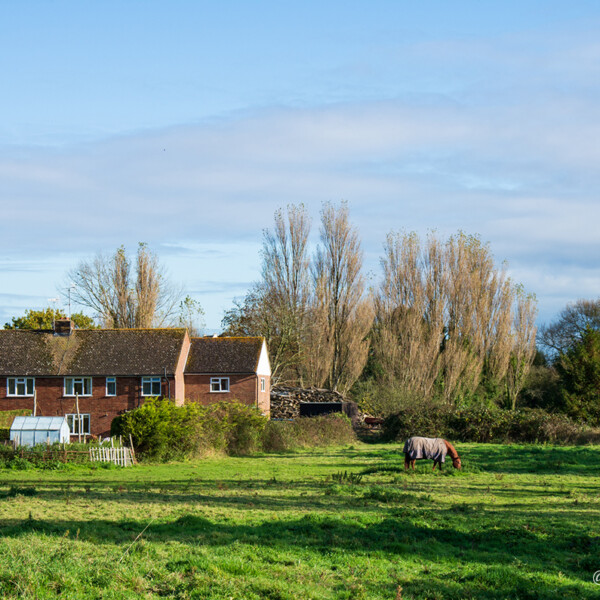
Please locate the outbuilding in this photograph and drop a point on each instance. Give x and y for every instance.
(29, 431)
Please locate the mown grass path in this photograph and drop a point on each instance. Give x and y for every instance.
(518, 522)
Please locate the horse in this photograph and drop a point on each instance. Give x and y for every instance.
(416, 448)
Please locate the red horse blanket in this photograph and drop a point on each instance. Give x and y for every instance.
(420, 447)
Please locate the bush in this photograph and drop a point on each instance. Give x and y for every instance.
(163, 431)
(480, 423)
(422, 418)
(6, 420)
(326, 430)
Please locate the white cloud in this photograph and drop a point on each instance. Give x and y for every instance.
(512, 155)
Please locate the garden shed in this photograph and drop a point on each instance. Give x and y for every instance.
(29, 431)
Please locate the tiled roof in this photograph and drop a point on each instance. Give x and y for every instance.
(224, 355)
(90, 352)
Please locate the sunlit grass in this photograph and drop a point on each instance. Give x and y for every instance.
(518, 522)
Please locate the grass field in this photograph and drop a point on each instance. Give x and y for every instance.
(517, 522)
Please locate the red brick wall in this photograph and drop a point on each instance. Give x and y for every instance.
(101, 408)
(241, 387)
(264, 398)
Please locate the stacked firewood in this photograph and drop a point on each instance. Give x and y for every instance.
(285, 401)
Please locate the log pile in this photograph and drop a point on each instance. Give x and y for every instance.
(285, 401)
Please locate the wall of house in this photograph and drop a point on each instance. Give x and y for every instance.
(101, 408)
(244, 388)
(264, 398)
(179, 393)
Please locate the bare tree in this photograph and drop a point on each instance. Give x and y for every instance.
(341, 314)
(570, 327)
(125, 296)
(445, 317)
(276, 307)
(523, 345)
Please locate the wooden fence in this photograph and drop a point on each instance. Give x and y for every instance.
(122, 457)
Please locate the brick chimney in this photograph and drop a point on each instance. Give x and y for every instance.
(63, 327)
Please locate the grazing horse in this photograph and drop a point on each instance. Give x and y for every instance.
(434, 449)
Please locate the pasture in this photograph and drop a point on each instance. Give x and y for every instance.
(342, 523)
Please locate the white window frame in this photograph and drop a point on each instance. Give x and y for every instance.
(84, 419)
(263, 384)
(111, 380)
(26, 382)
(152, 381)
(219, 385)
(71, 382)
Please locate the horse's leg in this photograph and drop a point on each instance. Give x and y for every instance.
(406, 462)
(413, 464)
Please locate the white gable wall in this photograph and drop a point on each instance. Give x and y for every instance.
(264, 367)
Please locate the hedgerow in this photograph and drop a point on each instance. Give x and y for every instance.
(487, 423)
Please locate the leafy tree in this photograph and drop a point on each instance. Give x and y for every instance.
(579, 370)
(44, 319)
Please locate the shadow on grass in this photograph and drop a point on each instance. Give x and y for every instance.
(580, 460)
(495, 545)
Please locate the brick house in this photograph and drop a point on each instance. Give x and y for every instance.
(231, 367)
(109, 371)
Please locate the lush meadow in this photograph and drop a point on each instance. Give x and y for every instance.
(518, 522)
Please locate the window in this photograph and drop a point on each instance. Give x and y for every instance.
(151, 386)
(219, 384)
(20, 386)
(263, 384)
(79, 424)
(78, 386)
(111, 386)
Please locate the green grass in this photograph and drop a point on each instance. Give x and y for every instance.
(343, 523)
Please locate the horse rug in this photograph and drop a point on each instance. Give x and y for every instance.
(421, 447)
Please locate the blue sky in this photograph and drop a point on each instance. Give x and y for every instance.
(187, 124)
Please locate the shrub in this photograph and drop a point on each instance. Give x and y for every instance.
(241, 427)
(420, 418)
(325, 430)
(160, 429)
(163, 431)
(6, 419)
(479, 423)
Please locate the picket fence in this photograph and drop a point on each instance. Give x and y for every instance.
(122, 456)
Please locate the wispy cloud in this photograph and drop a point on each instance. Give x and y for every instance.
(509, 151)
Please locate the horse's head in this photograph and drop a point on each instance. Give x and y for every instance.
(456, 463)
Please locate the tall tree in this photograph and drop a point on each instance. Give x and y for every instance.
(523, 349)
(341, 314)
(276, 307)
(123, 295)
(447, 317)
